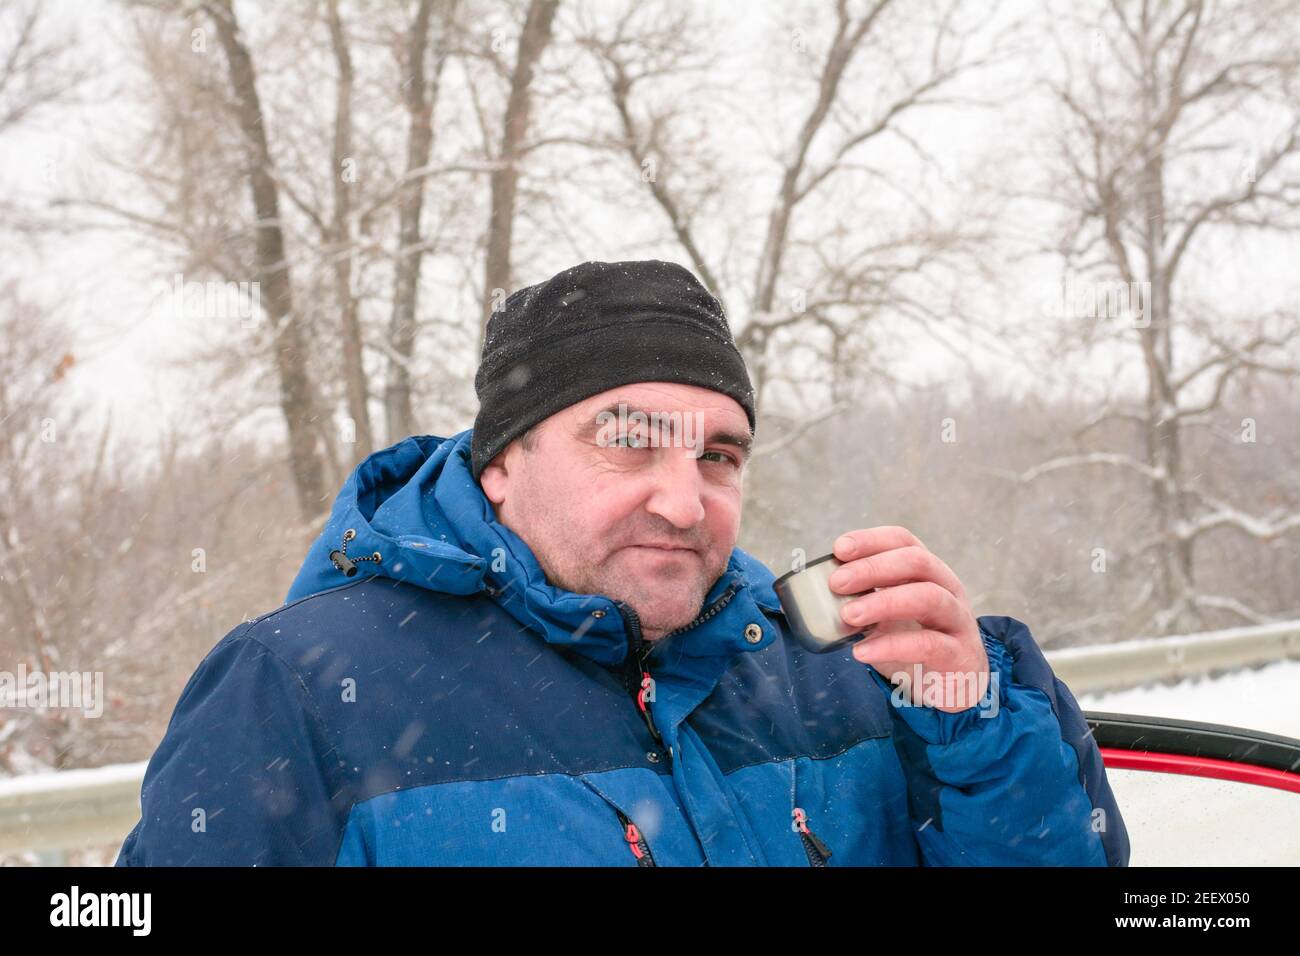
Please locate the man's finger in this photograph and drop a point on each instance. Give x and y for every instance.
(930, 604)
(900, 647)
(868, 541)
(897, 566)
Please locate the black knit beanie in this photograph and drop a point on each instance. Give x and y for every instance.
(594, 327)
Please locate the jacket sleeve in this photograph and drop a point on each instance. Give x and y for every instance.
(1016, 780)
(242, 776)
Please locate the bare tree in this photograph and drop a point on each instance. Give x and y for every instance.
(420, 90)
(342, 234)
(297, 396)
(39, 69)
(811, 282)
(35, 71)
(533, 40)
(1180, 133)
(39, 419)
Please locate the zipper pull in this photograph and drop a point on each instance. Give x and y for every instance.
(646, 683)
(801, 820)
(640, 849)
(633, 836)
(636, 665)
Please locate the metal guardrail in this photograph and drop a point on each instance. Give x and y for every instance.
(70, 809)
(1108, 667)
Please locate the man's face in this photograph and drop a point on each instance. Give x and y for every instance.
(651, 525)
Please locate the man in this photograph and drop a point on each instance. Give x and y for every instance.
(534, 642)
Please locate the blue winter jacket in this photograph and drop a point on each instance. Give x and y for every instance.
(445, 705)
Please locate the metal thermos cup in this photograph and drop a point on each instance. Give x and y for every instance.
(813, 609)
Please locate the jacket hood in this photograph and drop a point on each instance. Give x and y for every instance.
(414, 513)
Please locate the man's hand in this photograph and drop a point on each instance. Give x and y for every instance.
(922, 614)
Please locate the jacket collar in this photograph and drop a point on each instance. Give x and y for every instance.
(418, 506)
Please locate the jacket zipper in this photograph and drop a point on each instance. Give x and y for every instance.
(635, 841)
(637, 675)
(818, 852)
(723, 600)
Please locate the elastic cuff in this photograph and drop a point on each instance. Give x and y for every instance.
(942, 728)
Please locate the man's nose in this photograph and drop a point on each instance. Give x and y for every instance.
(676, 492)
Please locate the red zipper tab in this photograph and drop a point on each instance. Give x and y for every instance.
(811, 842)
(635, 842)
(646, 683)
(633, 836)
(637, 651)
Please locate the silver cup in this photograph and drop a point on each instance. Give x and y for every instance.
(813, 609)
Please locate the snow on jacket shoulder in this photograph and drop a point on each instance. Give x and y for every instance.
(445, 705)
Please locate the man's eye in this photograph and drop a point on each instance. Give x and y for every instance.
(630, 441)
(725, 457)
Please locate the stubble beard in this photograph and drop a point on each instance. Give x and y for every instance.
(647, 599)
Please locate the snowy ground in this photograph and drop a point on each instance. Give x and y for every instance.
(1188, 821)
